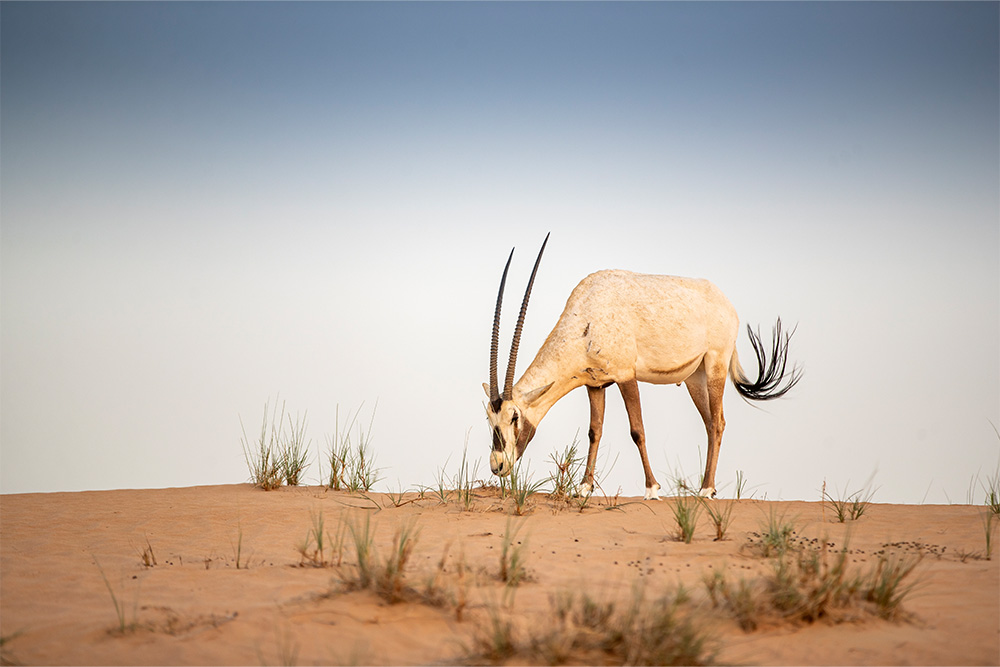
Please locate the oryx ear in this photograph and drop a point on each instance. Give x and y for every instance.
(486, 388)
(535, 394)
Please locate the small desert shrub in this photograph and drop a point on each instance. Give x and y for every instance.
(849, 506)
(743, 600)
(741, 486)
(686, 509)
(318, 544)
(464, 480)
(146, 555)
(352, 461)
(776, 536)
(886, 586)
(660, 631)
(569, 467)
(721, 514)
(809, 584)
(382, 576)
(522, 487)
(512, 570)
(494, 640)
(264, 458)
(294, 450)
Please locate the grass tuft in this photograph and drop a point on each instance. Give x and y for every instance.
(721, 514)
(569, 467)
(351, 458)
(124, 625)
(686, 509)
(294, 450)
(382, 576)
(522, 487)
(264, 458)
(660, 631)
(512, 570)
(849, 507)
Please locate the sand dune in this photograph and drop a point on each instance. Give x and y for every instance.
(194, 606)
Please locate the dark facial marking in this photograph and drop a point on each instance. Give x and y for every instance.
(524, 436)
(497, 440)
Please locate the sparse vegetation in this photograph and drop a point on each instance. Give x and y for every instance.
(849, 506)
(809, 584)
(264, 459)
(384, 577)
(318, 543)
(124, 625)
(146, 555)
(776, 536)
(741, 486)
(721, 514)
(512, 570)
(989, 518)
(522, 487)
(464, 479)
(238, 549)
(352, 463)
(569, 468)
(294, 450)
(661, 631)
(686, 509)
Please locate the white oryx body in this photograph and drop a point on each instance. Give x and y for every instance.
(622, 328)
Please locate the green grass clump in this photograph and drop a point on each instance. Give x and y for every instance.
(721, 514)
(294, 451)
(383, 576)
(512, 570)
(686, 509)
(264, 458)
(808, 584)
(318, 544)
(849, 507)
(569, 467)
(776, 536)
(661, 631)
(521, 487)
(351, 458)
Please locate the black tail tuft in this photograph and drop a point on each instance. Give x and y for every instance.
(772, 380)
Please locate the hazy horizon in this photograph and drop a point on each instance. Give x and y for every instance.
(208, 205)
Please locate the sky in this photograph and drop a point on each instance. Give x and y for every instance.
(209, 206)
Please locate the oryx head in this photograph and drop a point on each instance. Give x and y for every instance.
(511, 429)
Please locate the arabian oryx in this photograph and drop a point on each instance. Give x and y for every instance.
(621, 328)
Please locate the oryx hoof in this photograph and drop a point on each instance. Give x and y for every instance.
(652, 492)
(707, 493)
(585, 490)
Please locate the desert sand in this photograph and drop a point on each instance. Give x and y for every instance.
(62, 555)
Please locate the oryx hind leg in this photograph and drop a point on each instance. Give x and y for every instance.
(630, 393)
(596, 396)
(706, 387)
(697, 386)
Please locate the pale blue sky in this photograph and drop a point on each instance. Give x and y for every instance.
(204, 205)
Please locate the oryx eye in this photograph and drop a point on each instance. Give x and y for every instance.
(513, 419)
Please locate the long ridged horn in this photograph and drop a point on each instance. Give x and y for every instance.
(495, 342)
(508, 384)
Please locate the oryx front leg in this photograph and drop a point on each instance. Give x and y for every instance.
(596, 396)
(630, 393)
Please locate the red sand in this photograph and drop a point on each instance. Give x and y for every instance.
(195, 607)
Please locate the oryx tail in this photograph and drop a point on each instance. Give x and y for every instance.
(772, 379)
